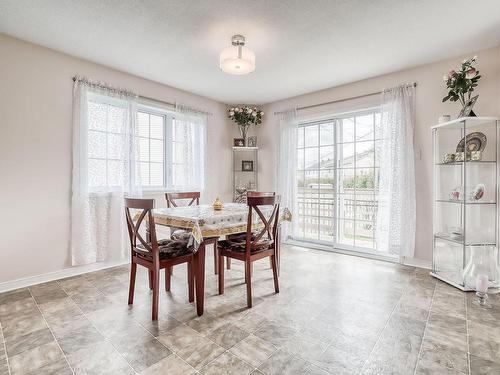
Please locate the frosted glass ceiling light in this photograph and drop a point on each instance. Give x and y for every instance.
(238, 59)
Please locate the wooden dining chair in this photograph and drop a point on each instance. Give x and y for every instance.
(257, 245)
(241, 236)
(173, 198)
(154, 254)
(191, 198)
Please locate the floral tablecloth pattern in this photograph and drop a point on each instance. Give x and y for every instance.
(205, 222)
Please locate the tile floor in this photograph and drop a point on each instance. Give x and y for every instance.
(335, 314)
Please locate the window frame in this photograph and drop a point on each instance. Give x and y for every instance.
(167, 116)
(337, 169)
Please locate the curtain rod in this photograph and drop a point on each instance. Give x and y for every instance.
(414, 84)
(195, 110)
(141, 97)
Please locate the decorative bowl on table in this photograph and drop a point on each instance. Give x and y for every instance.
(217, 205)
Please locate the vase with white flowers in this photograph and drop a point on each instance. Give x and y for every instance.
(244, 117)
(461, 83)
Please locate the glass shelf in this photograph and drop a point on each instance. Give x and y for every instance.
(462, 202)
(468, 162)
(460, 241)
(462, 225)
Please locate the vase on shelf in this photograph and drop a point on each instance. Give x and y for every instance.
(483, 260)
(243, 132)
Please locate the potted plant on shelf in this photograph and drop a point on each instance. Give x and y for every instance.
(461, 84)
(244, 117)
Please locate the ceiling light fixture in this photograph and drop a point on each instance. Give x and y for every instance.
(239, 60)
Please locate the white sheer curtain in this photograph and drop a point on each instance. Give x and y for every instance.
(188, 149)
(396, 204)
(104, 170)
(287, 170)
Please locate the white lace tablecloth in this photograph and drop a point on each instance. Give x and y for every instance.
(205, 222)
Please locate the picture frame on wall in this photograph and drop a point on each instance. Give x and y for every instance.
(247, 165)
(238, 142)
(252, 141)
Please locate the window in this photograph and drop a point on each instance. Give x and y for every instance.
(106, 137)
(337, 180)
(171, 147)
(151, 137)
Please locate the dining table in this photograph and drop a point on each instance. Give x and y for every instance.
(206, 225)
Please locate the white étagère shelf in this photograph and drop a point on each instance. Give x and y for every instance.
(465, 199)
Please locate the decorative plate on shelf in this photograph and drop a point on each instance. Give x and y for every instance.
(475, 142)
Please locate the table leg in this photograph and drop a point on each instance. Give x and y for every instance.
(199, 262)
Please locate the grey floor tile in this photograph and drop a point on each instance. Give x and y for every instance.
(24, 305)
(172, 365)
(59, 367)
(443, 356)
(22, 324)
(20, 343)
(94, 302)
(143, 355)
(227, 364)
(158, 327)
(80, 338)
(316, 325)
(227, 335)
(191, 346)
(14, 296)
(315, 370)
(253, 350)
(484, 347)
(33, 359)
(283, 363)
(480, 366)
(275, 333)
(101, 358)
(47, 292)
(306, 348)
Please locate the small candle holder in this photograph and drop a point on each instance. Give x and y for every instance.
(482, 300)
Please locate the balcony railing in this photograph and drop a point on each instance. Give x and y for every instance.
(317, 211)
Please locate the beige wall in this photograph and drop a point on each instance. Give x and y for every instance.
(35, 143)
(429, 107)
(35, 151)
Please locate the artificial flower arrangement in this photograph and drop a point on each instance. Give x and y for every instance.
(244, 117)
(462, 83)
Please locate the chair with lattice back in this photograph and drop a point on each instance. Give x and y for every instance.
(179, 199)
(152, 253)
(258, 244)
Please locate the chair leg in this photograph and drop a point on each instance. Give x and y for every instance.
(199, 261)
(248, 273)
(150, 279)
(168, 278)
(272, 258)
(270, 263)
(228, 260)
(251, 271)
(216, 260)
(156, 287)
(221, 273)
(133, 271)
(190, 268)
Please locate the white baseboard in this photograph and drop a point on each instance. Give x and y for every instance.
(56, 275)
(412, 262)
(419, 263)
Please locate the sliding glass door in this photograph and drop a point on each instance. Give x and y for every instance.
(338, 180)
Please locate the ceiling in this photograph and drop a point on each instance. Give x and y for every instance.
(301, 46)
